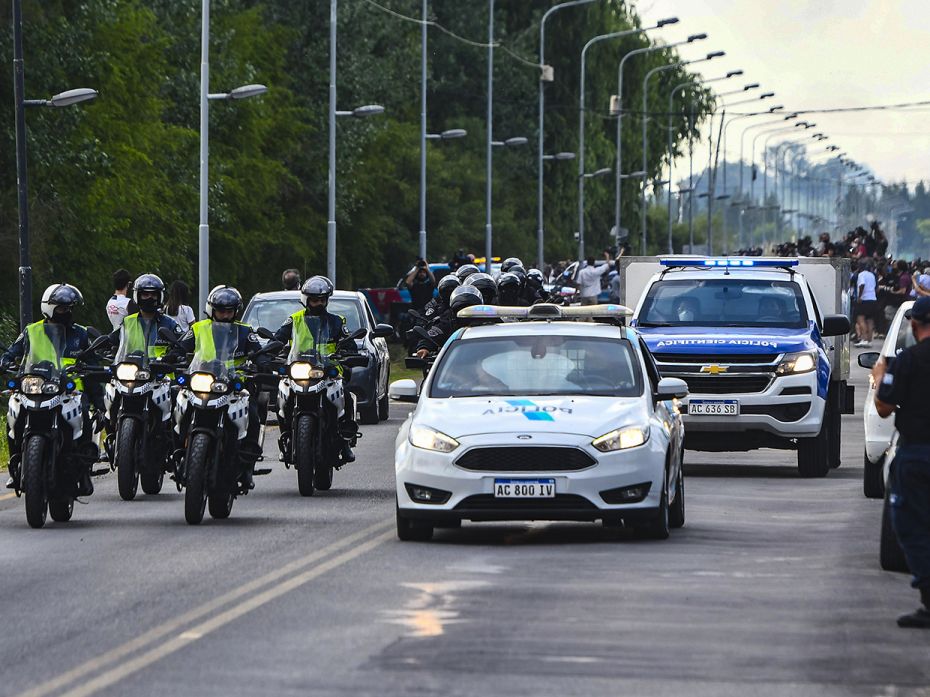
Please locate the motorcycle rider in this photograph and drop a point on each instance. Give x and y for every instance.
(435, 307)
(485, 285)
(466, 270)
(58, 303)
(509, 263)
(440, 331)
(510, 290)
(140, 330)
(223, 305)
(320, 329)
(533, 287)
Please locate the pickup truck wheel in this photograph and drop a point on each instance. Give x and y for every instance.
(890, 555)
(834, 423)
(813, 454)
(873, 482)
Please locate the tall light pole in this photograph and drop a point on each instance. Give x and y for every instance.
(423, 26)
(581, 115)
(244, 92)
(445, 135)
(742, 138)
(645, 120)
(545, 76)
(62, 99)
(619, 113)
(488, 230)
(367, 110)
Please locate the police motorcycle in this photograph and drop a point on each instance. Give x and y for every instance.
(211, 420)
(46, 420)
(138, 400)
(319, 410)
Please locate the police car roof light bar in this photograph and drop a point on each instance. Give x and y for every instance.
(545, 311)
(731, 262)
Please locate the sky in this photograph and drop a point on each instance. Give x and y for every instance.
(818, 55)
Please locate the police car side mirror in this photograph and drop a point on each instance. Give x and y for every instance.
(265, 333)
(381, 331)
(869, 359)
(168, 335)
(835, 325)
(403, 390)
(671, 388)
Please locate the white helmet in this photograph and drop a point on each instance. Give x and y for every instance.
(60, 295)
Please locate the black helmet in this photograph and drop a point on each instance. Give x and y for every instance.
(465, 270)
(485, 284)
(518, 271)
(446, 285)
(316, 287)
(60, 295)
(509, 263)
(223, 298)
(508, 288)
(535, 278)
(151, 283)
(465, 296)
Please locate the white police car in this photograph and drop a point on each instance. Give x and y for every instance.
(542, 419)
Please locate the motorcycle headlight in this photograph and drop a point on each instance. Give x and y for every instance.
(220, 387)
(793, 363)
(127, 372)
(31, 384)
(304, 371)
(202, 382)
(50, 388)
(621, 439)
(429, 439)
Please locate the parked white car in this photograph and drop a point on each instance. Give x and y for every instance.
(879, 432)
(541, 420)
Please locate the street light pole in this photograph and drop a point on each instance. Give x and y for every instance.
(331, 177)
(25, 267)
(488, 230)
(540, 259)
(203, 231)
(423, 131)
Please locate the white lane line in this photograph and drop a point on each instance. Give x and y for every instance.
(104, 660)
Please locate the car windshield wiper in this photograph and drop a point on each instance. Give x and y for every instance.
(657, 324)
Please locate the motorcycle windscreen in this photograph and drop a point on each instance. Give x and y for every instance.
(215, 350)
(137, 342)
(311, 336)
(45, 357)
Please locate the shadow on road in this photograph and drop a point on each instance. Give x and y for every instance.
(759, 471)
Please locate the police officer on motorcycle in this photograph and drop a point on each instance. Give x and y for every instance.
(223, 305)
(140, 332)
(58, 304)
(439, 332)
(325, 330)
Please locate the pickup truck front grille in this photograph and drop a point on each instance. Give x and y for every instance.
(715, 359)
(723, 384)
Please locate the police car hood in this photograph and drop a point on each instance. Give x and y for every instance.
(575, 415)
(725, 340)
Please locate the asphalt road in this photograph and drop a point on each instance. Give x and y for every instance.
(772, 588)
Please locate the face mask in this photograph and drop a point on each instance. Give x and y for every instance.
(316, 310)
(686, 316)
(148, 305)
(62, 318)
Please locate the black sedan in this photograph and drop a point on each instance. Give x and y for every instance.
(369, 384)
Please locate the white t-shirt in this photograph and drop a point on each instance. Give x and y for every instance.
(117, 309)
(866, 279)
(589, 280)
(185, 317)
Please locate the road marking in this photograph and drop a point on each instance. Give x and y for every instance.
(7, 497)
(146, 659)
(70, 677)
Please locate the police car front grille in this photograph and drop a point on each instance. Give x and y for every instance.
(722, 384)
(715, 359)
(525, 459)
(560, 502)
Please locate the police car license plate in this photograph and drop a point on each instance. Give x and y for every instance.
(711, 407)
(524, 488)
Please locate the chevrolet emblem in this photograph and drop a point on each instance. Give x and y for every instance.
(714, 369)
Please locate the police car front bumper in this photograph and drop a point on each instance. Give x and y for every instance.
(789, 407)
(579, 494)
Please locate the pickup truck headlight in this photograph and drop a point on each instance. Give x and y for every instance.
(202, 382)
(304, 371)
(621, 439)
(429, 439)
(793, 363)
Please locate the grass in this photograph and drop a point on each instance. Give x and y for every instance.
(398, 370)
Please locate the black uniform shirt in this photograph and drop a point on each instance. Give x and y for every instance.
(907, 385)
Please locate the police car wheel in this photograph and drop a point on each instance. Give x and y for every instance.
(658, 527)
(873, 478)
(813, 455)
(676, 514)
(890, 555)
(413, 530)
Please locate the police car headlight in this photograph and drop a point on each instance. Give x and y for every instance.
(621, 439)
(801, 362)
(31, 384)
(429, 439)
(202, 382)
(304, 371)
(127, 372)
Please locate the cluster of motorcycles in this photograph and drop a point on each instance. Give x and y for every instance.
(187, 420)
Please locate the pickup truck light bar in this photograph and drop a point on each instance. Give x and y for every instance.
(742, 262)
(545, 311)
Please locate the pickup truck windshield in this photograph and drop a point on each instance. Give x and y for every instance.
(537, 366)
(724, 302)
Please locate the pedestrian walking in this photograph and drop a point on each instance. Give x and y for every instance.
(866, 285)
(118, 304)
(903, 387)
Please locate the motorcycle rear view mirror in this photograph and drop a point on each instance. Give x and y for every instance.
(271, 347)
(168, 335)
(382, 331)
(93, 332)
(355, 361)
(265, 333)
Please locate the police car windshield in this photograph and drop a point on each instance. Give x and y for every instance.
(724, 302)
(537, 366)
(271, 314)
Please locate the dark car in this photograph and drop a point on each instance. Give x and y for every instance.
(369, 384)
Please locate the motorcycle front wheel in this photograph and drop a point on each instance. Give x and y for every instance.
(304, 450)
(195, 495)
(33, 481)
(128, 459)
(61, 509)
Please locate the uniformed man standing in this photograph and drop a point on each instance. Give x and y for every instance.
(902, 389)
